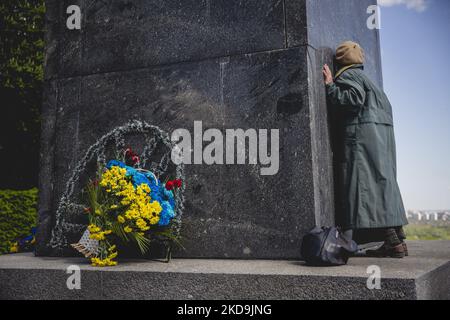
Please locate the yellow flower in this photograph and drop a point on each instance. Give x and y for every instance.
(112, 255)
(14, 248)
(97, 262)
(93, 228)
(141, 223)
(154, 220)
(114, 206)
(98, 236)
(127, 229)
(120, 219)
(145, 188)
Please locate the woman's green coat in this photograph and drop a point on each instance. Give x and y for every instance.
(370, 196)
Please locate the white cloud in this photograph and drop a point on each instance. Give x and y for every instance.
(418, 5)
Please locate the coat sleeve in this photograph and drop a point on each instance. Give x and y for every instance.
(346, 93)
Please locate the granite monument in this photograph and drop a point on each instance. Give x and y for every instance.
(227, 63)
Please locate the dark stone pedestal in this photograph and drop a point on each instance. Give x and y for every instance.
(230, 64)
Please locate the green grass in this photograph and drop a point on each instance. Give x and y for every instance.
(427, 232)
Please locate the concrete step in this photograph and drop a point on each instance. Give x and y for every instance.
(425, 274)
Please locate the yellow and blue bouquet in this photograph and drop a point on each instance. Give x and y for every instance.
(128, 204)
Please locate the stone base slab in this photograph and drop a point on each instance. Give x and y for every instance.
(425, 274)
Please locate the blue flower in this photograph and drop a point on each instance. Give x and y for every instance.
(115, 163)
(168, 196)
(166, 214)
(151, 177)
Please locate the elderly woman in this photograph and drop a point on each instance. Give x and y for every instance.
(371, 200)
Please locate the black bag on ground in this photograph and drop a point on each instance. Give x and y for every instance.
(327, 246)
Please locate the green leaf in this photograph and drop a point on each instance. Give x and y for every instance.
(142, 242)
(117, 229)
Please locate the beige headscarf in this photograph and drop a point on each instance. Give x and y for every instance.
(349, 53)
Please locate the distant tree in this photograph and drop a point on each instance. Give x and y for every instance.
(21, 83)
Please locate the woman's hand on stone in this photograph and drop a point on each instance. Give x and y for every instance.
(327, 75)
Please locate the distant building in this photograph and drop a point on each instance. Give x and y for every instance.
(428, 215)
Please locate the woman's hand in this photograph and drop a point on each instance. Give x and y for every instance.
(327, 75)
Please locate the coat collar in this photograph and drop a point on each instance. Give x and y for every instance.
(352, 66)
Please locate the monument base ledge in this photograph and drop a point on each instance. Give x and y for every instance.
(425, 274)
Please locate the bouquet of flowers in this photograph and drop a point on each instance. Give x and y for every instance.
(126, 204)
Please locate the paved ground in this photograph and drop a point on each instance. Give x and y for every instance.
(424, 274)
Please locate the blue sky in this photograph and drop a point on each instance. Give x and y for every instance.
(415, 42)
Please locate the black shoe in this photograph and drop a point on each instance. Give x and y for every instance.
(386, 251)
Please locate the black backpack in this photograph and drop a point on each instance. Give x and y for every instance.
(327, 246)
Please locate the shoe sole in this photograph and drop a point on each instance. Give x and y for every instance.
(393, 255)
(397, 255)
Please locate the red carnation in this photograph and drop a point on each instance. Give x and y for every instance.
(177, 183)
(135, 159)
(129, 153)
(169, 185)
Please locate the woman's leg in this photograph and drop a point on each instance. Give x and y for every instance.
(402, 236)
(400, 233)
(390, 237)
